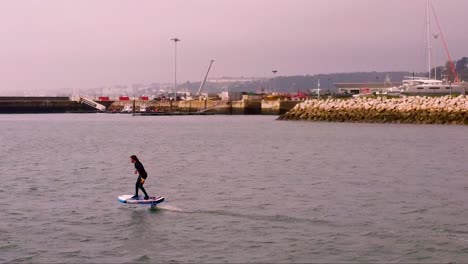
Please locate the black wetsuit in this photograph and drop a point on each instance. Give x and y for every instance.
(141, 175)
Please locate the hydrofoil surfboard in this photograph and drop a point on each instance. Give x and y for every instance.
(153, 200)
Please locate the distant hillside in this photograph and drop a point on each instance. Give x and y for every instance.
(304, 83)
(290, 84)
(300, 82)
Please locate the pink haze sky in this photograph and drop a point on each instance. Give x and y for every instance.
(76, 44)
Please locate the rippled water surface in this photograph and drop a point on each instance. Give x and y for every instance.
(237, 188)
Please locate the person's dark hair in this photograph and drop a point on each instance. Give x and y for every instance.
(134, 158)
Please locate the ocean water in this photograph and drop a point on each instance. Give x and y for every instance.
(237, 188)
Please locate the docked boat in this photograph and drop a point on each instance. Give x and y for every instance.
(426, 86)
(391, 91)
(127, 109)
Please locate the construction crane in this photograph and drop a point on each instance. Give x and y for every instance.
(204, 80)
(452, 66)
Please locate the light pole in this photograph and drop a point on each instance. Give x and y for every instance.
(436, 36)
(318, 89)
(175, 67)
(450, 83)
(274, 79)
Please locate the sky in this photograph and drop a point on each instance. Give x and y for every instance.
(77, 44)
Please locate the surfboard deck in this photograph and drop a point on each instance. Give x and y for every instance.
(127, 198)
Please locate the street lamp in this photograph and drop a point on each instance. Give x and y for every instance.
(450, 83)
(175, 67)
(318, 89)
(436, 36)
(274, 79)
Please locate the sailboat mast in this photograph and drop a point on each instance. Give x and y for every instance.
(428, 22)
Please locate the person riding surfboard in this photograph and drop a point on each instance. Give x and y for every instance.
(142, 175)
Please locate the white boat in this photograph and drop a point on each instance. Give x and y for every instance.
(143, 107)
(127, 109)
(426, 86)
(391, 91)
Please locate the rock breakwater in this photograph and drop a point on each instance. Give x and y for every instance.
(411, 109)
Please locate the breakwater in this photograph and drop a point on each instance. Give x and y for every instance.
(18, 104)
(411, 109)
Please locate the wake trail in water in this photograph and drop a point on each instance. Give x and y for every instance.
(273, 218)
(270, 218)
(172, 208)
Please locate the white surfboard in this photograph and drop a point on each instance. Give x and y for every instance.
(127, 198)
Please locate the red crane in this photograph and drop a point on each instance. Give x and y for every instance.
(452, 66)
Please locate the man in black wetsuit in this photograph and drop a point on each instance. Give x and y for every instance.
(141, 176)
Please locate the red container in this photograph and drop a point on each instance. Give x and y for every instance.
(103, 98)
(124, 98)
(144, 98)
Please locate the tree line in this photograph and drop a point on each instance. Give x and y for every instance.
(445, 72)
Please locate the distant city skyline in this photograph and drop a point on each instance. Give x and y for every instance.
(54, 44)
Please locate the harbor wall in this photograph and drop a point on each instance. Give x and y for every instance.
(277, 107)
(42, 105)
(241, 107)
(166, 105)
(414, 110)
(65, 105)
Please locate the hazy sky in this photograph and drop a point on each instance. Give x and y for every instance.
(52, 44)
